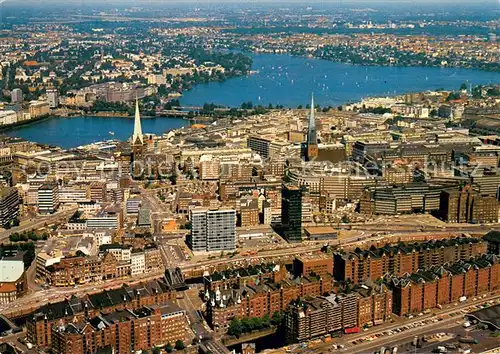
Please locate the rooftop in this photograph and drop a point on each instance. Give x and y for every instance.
(11, 270)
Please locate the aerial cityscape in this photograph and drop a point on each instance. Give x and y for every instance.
(271, 177)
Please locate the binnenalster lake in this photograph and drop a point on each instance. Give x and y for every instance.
(72, 132)
(281, 79)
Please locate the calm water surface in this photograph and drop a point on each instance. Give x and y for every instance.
(288, 80)
(281, 79)
(72, 132)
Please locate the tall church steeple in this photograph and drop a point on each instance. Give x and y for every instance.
(137, 137)
(137, 141)
(312, 140)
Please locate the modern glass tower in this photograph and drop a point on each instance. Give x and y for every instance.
(291, 212)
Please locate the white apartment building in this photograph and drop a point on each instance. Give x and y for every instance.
(101, 237)
(209, 168)
(212, 229)
(48, 198)
(73, 194)
(121, 253)
(137, 263)
(8, 117)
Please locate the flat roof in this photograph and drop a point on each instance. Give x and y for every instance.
(11, 270)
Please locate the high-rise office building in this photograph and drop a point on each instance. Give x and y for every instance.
(212, 230)
(48, 198)
(291, 212)
(9, 205)
(53, 97)
(16, 95)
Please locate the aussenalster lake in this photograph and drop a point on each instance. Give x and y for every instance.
(280, 79)
(289, 80)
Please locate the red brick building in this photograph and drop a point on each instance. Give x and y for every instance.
(126, 331)
(252, 275)
(258, 300)
(313, 265)
(39, 324)
(374, 304)
(375, 263)
(435, 286)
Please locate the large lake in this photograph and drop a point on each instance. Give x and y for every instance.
(288, 80)
(76, 131)
(281, 79)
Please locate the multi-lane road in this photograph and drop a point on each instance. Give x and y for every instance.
(37, 223)
(356, 237)
(53, 294)
(450, 315)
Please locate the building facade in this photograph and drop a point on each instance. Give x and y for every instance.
(9, 205)
(125, 331)
(212, 229)
(48, 198)
(291, 212)
(376, 263)
(440, 285)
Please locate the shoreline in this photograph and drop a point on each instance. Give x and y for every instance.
(23, 123)
(103, 114)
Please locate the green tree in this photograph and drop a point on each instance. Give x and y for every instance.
(276, 319)
(179, 345)
(168, 348)
(453, 96)
(493, 92)
(156, 350)
(235, 327)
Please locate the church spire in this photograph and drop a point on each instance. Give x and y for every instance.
(311, 151)
(312, 120)
(137, 125)
(311, 130)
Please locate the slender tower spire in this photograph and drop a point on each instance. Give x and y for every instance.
(311, 132)
(137, 126)
(312, 139)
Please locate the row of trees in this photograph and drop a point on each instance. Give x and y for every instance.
(238, 327)
(376, 110)
(27, 236)
(169, 348)
(13, 223)
(103, 106)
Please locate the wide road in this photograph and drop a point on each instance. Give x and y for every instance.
(37, 223)
(55, 294)
(362, 236)
(416, 331)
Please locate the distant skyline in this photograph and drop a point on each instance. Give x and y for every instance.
(305, 3)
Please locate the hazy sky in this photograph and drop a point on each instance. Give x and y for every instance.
(309, 2)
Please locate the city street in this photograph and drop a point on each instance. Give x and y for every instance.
(456, 311)
(36, 223)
